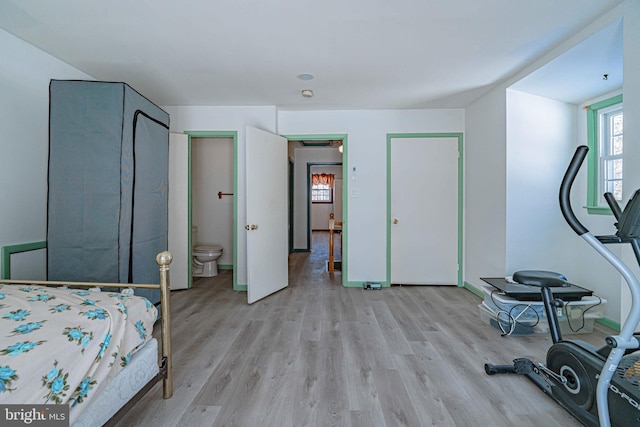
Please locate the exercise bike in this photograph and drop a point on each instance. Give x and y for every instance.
(599, 387)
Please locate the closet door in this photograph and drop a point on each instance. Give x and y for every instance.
(424, 210)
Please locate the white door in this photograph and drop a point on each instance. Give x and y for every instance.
(267, 247)
(179, 234)
(424, 211)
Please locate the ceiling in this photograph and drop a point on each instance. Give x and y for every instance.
(588, 70)
(362, 53)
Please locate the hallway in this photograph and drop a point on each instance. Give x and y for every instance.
(310, 268)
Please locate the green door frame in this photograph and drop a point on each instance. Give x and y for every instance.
(218, 134)
(459, 137)
(345, 208)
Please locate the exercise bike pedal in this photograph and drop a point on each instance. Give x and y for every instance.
(523, 366)
(498, 369)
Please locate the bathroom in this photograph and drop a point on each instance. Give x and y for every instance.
(212, 162)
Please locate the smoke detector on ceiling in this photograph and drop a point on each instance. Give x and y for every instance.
(307, 93)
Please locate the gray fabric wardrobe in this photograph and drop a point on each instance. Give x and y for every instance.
(107, 213)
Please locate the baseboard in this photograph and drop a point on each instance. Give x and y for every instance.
(609, 324)
(225, 267)
(241, 288)
(477, 292)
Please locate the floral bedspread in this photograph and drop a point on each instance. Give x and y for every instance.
(59, 345)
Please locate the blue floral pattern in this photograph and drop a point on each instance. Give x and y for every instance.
(56, 382)
(78, 336)
(19, 348)
(54, 342)
(7, 376)
(27, 328)
(17, 315)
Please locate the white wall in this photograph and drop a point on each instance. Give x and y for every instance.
(632, 118)
(225, 119)
(212, 172)
(485, 188)
(365, 150)
(25, 73)
(541, 137)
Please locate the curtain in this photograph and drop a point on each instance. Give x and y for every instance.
(322, 178)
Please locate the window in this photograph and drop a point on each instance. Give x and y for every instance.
(321, 193)
(611, 151)
(322, 188)
(605, 135)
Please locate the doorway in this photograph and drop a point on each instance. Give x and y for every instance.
(319, 210)
(307, 152)
(213, 194)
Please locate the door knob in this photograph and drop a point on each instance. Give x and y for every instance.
(395, 220)
(254, 227)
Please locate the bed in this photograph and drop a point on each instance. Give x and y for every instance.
(77, 345)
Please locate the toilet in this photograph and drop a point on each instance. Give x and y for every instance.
(205, 256)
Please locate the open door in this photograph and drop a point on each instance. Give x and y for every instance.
(179, 232)
(267, 234)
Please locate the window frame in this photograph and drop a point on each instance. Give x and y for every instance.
(329, 189)
(594, 182)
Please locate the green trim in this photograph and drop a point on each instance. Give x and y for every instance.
(477, 292)
(599, 210)
(345, 200)
(291, 171)
(189, 214)
(592, 156)
(317, 137)
(219, 134)
(459, 137)
(609, 324)
(7, 251)
(239, 288)
(225, 266)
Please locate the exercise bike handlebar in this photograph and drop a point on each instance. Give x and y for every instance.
(613, 204)
(565, 190)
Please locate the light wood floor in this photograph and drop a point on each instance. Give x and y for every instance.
(318, 354)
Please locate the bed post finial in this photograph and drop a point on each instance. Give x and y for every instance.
(164, 259)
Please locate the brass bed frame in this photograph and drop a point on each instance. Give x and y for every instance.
(163, 259)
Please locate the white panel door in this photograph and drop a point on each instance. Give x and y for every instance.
(424, 211)
(267, 246)
(179, 233)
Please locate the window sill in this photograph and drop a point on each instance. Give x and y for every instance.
(599, 210)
